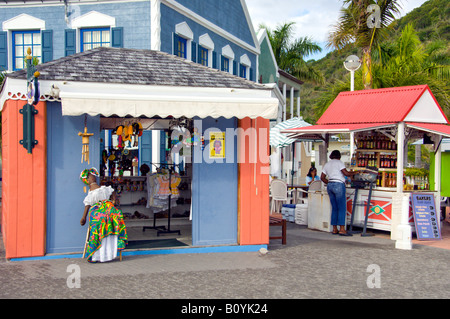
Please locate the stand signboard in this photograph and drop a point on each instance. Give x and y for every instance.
(426, 218)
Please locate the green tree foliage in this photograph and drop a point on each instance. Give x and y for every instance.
(364, 23)
(290, 53)
(415, 51)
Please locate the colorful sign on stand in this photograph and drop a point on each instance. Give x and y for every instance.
(426, 217)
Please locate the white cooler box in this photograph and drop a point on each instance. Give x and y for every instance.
(301, 213)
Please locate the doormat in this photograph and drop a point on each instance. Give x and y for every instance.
(154, 243)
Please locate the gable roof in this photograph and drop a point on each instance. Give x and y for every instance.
(135, 66)
(266, 51)
(389, 105)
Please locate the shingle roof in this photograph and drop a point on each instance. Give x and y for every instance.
(133, 66)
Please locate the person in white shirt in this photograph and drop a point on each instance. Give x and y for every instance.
(333, 175)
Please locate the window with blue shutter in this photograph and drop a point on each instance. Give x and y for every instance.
(70, 45)
(3, 50)
(47, 45)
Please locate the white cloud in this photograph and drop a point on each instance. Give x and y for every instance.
(313, 18)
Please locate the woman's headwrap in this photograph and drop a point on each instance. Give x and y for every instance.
(84, 174)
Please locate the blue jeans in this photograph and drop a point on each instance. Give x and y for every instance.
(338, 200)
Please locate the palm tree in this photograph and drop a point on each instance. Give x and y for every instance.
(403, 62)
(365, 27)
(290, 55)
(407, 61)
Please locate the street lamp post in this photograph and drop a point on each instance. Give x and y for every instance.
(352, 63)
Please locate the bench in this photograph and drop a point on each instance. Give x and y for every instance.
(277, 221)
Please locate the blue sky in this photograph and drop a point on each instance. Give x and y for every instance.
(312, 18)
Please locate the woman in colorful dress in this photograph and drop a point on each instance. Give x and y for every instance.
(107, 231)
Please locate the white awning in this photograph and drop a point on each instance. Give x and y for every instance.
(142, 100)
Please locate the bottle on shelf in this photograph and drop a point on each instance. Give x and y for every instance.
(353, 161)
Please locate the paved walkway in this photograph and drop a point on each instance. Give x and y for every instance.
(312, 265)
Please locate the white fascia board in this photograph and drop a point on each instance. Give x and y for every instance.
(250, 24)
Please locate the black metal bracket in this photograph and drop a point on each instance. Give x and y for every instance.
(28, 141)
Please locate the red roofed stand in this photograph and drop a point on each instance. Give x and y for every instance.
(380, 123)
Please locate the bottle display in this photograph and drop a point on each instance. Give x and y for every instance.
(381, 152)
(378, 151)
(379, 142)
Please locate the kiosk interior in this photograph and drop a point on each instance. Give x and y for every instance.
(153, 183)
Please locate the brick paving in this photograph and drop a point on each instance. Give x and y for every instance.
(313, 264)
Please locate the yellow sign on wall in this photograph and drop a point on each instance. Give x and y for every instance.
(217, 144)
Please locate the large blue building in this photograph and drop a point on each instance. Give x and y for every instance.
(217, 34)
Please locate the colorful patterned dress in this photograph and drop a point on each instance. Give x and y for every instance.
(107, 230)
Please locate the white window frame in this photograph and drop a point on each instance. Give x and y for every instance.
(22, 22)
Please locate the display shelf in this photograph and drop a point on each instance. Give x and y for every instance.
(377, 151)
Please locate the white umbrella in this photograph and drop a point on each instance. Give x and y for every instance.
(278, 139)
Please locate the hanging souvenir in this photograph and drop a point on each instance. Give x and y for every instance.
(85, 142)
(136, 131)
(127, 133)
(119, 130)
